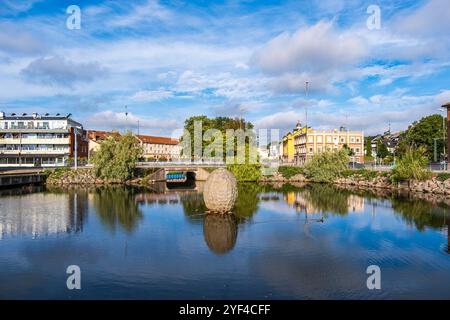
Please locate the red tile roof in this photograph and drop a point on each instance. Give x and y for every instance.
(158, 140)
(101, 135)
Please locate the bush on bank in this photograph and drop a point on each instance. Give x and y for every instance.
(327, 166)
(245, 172)
(412, 166)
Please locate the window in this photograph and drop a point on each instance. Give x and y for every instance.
(6, 125)
(319, 139)
(352, 139)
(329, 139)
(357, 150)
(357, 140)
(342, 140)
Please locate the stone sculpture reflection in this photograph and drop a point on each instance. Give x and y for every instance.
(220, 232)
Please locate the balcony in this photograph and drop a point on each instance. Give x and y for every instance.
(25, 141)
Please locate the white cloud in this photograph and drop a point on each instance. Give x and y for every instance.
(110, 120)
(151, 95)
(57, 70)
(429, 20)
(315, 48)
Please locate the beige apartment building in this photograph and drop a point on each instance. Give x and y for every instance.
(160, 148)
(308, 142)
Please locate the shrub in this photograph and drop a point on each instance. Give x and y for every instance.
(245, 172)
(443, 176)
(412, 166)
(327, 166)
(289, 172)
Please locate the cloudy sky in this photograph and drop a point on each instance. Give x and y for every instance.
(168, 60)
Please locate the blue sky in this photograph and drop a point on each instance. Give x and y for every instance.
(168, 60)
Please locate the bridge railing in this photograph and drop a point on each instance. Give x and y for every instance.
(177, 163)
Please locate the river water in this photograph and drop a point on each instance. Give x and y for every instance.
(281, 242)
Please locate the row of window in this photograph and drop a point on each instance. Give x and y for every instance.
(33, 125)
(32, 160)
(34, 136)
(329, 139)
(47, 147)
(320, 149)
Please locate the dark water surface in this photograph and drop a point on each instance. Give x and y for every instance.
(284, 242)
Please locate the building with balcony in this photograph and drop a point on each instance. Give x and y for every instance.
(309, 141)
(40, 140)
(159, 148)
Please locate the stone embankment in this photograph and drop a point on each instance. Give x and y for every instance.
(84, 177)
(433, 185)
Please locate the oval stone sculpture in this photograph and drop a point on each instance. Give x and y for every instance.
(220, 191)
(220, 232)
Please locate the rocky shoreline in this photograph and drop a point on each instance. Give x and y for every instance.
(431, 186)
(381, 181)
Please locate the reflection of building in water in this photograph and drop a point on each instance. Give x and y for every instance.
(160, 198)
(301, 203)
(355, 203)
(42, 214)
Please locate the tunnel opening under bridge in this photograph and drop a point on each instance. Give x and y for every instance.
(181, 180)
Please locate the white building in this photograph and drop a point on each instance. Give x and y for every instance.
(40, 140)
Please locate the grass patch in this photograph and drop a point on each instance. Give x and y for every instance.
(443, 176)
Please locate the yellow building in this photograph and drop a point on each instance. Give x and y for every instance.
(311, 141)
(288, 148)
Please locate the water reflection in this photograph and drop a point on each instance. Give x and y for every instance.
(35, 215)
(39, 213)
(117, 206)
(220, 232)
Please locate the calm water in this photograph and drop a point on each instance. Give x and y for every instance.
(304, 242)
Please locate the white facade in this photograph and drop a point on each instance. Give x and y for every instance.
(27, 141)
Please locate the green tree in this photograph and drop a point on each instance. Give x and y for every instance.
(116, 158)
(220, 123)
(382, 150)
(327, 166)
(422, 134)
(411, 165)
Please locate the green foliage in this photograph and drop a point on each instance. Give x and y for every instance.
(220, 123)
(368, 147)
(116, 157)
(245, 172)
(327, 166)
(289, 172)
(412, 165)
(363, 173)
(422, 134)
(443, 176)
(116, 207)
(382, 150)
